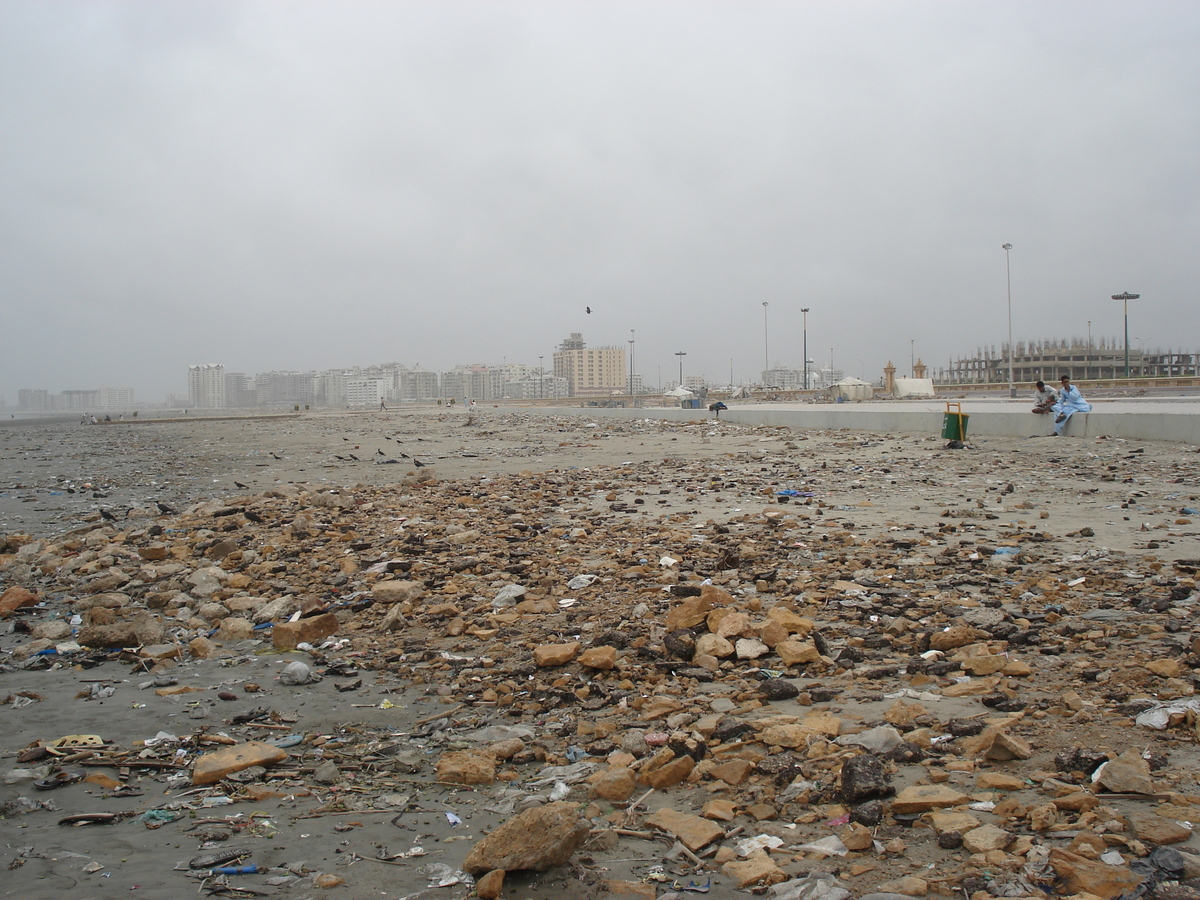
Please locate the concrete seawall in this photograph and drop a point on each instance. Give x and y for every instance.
(1155, 420)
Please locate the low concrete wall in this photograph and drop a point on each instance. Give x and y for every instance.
(1182, 425)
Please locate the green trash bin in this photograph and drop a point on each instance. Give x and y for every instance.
(951, 429)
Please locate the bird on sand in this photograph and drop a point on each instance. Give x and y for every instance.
(163, 508)
(242, 486)
(417, 462)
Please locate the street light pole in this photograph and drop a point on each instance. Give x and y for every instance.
(681, 354)
(1012, 390)
(631, 348)
(805, 348)
(541, 379)
(766, 343)
(1125, 298)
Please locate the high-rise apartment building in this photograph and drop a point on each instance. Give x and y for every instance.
(206, 386)
(591, 371)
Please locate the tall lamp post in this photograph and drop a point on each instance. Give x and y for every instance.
(1125, 298)
(766, 343)
(681, 354)
(1012, 390)
(541, 379)
(631, 348)
(805, 348)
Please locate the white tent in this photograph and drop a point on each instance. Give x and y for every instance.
(680, 392)
(851, 388)
(913, 388)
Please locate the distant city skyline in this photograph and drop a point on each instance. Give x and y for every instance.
(518, 381)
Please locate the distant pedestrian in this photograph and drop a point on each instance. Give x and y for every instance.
(382, 405)
(1070, 401)
(1044, 398)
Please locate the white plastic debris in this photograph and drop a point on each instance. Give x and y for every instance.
(581, 581)
(752, 845)
(1159, 717)
(297, 673)
(826, 846)
(442, 875)
(508, 596)
(880, 739)
(813, 886)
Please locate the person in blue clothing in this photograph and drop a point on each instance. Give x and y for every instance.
(1070, 401)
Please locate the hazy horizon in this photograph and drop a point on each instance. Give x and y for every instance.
(314, 185)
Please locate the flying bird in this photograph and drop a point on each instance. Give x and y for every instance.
(276, 455)
(589, 310)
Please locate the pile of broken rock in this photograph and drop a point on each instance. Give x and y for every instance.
(780, 700)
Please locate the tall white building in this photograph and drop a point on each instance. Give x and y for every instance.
(115, 397)
(206, 386)
(365, 392)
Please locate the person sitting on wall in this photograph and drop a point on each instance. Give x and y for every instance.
(1070, 401)
(1044, 398)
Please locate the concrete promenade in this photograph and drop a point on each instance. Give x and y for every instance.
(1156, 419)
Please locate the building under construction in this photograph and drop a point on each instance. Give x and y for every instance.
(1081, 360)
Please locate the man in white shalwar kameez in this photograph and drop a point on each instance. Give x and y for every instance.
(1070, 401)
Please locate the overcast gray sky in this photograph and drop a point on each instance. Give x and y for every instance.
(310, 185)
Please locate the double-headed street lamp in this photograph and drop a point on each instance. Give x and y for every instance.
(1125, 298)
(1012, 390)
(804, 311)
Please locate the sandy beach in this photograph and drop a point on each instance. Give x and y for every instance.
(1069, 563)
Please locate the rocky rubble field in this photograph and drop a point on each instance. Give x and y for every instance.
(726, 661)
